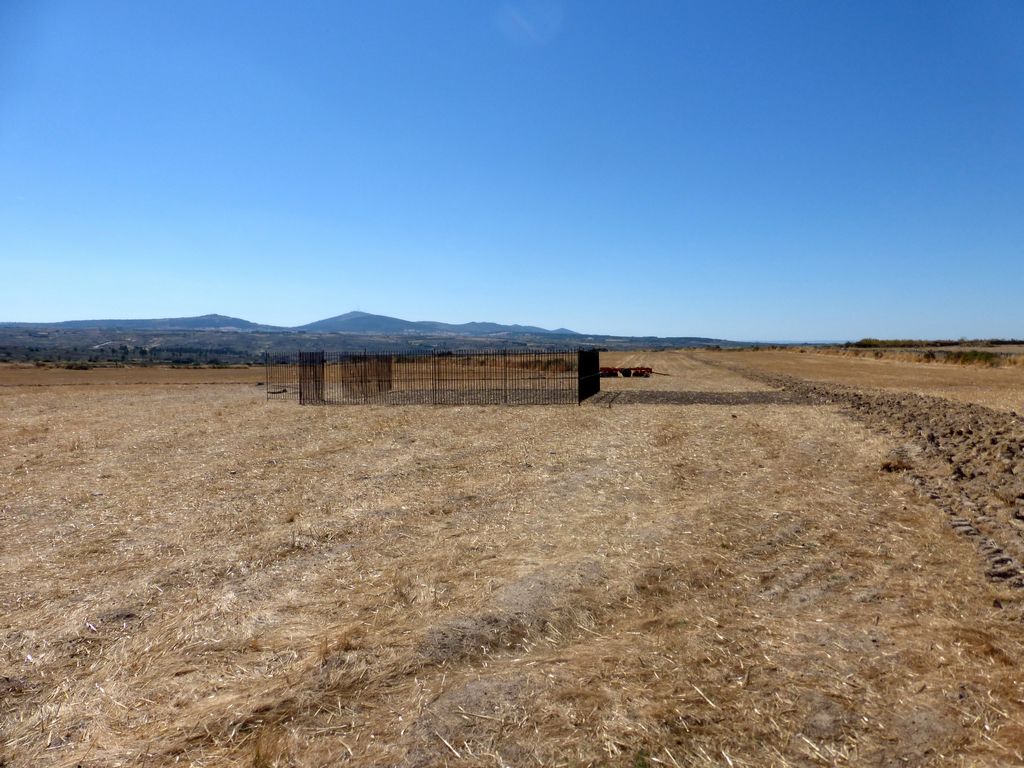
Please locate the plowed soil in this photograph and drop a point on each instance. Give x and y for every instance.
(720, 565)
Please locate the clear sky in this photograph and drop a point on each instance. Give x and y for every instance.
(745, 170)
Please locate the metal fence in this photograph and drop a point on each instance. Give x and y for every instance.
(513, 377)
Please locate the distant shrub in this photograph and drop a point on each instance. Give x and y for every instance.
(975, 357)
(870, 343)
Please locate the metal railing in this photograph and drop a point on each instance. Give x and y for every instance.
(438, 377)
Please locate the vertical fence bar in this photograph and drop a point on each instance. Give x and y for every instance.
(433, 378)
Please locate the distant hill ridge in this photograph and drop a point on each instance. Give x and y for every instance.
(350, 322)
(364, 322)
(231, 339)
(201, 323)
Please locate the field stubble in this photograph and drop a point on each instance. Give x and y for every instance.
(192, 575)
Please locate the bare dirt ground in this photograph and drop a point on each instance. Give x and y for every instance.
(740, 574)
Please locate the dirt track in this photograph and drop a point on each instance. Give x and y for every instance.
(726, 576)
(999, 388)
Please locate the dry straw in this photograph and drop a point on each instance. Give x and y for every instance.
(191, 576)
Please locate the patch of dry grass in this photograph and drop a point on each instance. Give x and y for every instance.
(27, 375)
(194, 576)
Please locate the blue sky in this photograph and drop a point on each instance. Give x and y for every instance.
(746, 170)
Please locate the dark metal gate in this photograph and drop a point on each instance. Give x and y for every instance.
(589, 373)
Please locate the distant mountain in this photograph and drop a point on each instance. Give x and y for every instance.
(218, 339)
(364, 322)
(352, 330)
(201, 323)
(351, 322)
(358, 322)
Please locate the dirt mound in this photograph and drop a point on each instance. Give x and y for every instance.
(668, 397)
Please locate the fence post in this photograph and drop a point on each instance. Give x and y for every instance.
(433, 376)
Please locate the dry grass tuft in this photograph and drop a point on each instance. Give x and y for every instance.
(272, 749)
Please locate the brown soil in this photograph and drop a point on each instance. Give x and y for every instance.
(736, 574)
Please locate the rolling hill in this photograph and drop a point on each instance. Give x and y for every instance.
(200, 323)
(364, 322)
(350, 322)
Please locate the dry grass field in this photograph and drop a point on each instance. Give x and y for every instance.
(27, 375)
(699, 568)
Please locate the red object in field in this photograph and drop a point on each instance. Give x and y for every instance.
(643, 371)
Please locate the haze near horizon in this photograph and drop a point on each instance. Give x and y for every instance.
(732, 170)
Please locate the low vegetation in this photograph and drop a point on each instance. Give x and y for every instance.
(992, 353)
(870, 343)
